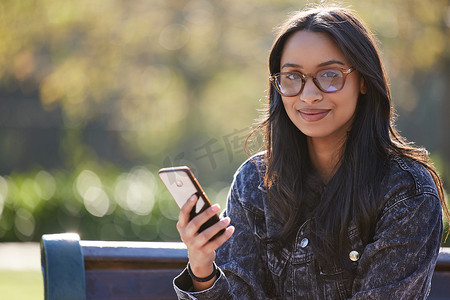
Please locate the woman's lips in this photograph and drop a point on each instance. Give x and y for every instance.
(313, 115)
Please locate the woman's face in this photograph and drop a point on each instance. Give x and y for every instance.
(315, 113)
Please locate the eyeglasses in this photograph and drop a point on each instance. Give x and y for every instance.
(291, 84)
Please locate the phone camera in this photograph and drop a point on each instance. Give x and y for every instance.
(179, 183)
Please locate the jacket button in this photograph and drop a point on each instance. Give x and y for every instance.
(304, 242)
(354, 255)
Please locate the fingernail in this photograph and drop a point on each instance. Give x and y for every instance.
(225, 221)
(229, 231)
(215, 208)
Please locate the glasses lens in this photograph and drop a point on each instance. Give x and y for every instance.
(289, 84)
(330, 80)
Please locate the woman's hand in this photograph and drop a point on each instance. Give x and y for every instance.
(201, 249)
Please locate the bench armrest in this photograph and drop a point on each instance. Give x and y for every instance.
(62, 262)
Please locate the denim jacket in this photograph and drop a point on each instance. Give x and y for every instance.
(397, 264)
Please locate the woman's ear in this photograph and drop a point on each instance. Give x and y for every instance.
(362, 86)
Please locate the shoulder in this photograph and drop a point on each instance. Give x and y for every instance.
(248, 184)
(251, 172)
(405, 179)
(408, 173)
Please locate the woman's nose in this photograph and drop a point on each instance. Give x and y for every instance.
(310, 93)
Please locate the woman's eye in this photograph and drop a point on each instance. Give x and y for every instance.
(293, 76)
(330, 74)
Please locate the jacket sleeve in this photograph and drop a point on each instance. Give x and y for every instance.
(242, 271)
(400, 261)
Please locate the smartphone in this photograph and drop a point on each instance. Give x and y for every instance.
(182, 184)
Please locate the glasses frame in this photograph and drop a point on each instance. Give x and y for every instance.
(274, 81)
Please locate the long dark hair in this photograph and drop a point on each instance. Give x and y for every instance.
(352, 192)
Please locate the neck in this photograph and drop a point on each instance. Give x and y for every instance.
(325, 155)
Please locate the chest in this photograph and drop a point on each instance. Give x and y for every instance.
(297, 273)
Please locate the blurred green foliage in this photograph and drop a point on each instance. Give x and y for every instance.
(95, 96)
(120, 206)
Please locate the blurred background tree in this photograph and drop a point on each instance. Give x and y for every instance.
(96, 96)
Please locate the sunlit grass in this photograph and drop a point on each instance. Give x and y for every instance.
(21, 285)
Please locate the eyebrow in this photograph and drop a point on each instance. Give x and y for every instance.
(331, 62)
(327, 63)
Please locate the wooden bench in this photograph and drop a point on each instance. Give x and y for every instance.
(74, 269)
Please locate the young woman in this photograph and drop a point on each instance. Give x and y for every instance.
(338, 205)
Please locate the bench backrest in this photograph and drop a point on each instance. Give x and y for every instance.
(75, 269)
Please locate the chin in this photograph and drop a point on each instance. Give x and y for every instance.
(314, 133)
